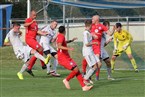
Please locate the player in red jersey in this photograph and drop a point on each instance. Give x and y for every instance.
(97, 31)
(66, 61)
(30, 38)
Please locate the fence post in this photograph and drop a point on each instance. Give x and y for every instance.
(67, 20)
(127, 25)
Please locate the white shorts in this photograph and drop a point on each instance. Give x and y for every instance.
(104, 54)
(47, 47)
(26, 52)
(52, 50)
(91, 59)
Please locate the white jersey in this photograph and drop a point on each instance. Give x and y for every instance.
(104, 53)
(46, 40)
(21, 51)
(103, 40)
(87, 38)
(14, 39)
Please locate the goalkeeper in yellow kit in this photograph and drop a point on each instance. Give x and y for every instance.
(122, 42)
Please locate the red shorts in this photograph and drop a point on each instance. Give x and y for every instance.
(97, 49)
(66, 62)
(33, 43)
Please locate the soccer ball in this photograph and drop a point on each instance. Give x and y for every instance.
(20, 55)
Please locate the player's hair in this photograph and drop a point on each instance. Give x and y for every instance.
(88, 23)
(105, 23)
(118, 25)
(61, 29)
(16, 24)
(33, 10)
(53, 21)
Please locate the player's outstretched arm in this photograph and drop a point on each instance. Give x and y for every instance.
(28, 24)
(91, 43)
(110, 33)
(69, 41)
(43, 33)
(108, 41)
(59, 46)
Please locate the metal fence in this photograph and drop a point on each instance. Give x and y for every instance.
(76, 25)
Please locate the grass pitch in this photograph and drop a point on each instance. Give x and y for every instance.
(127, 83)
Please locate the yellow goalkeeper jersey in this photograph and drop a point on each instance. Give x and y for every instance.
(122, 37)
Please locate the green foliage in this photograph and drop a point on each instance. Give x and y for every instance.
(55, 11)
(88, 12)
(19, 10)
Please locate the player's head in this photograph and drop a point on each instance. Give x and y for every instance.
(88, 24)
(118, 27)
(53, 24)
(95, 19)
(61, 29)
(33, 14)
(107, 24)
(16, 26)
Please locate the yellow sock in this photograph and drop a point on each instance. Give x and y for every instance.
(112, 64)
(133, 63)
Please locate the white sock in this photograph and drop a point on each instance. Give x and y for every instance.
(24, 67)
(109, 71)
(39, 56)
(48, 66)
(89, 73)
(55, 64)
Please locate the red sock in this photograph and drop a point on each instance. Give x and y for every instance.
(32, 62)
(84, 65)
(98, 72)
(71, 75)
(42, 63)
(80, 79)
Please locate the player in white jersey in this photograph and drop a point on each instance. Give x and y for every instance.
(104, 54)
(88, 53)
(21, 51)
(45, 42)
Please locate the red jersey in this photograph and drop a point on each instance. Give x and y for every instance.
(98, 30)
(61, 39)
(31, 30)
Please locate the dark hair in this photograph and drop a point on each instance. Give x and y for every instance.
(33, 10)
(88, 22)
(118, 25)
(61, 29)
(53, 21)
(16, 24)
(105, 23)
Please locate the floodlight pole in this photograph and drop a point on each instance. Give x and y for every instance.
(45, 5)
(63, 13)
(28, 8)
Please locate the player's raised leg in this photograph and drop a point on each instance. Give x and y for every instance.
(19, 74)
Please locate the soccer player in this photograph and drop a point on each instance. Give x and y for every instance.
(30, 38)
(122, 43)
(21, 51)
(66, 61)
(45, 42)
(98, 29)
(88, 53)
(104, 54)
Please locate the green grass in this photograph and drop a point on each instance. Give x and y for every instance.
(127, 83)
